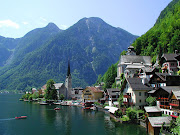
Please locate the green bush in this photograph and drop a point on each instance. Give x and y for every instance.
(96, 103)
(106, 104)
(151, 101)
(131, 113)
(125, 118)
(118, 113)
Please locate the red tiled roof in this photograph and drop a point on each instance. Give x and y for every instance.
(94, 89)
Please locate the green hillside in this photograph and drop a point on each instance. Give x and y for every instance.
(164, 37)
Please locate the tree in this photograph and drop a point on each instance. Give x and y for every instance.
(120, 99)
(61, 97)
(109, 76)
(131, 113)
(35, 95)
(178, 72)
(51, 92)
(176, 129)
(151, 101)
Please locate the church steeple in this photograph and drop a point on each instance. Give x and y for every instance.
(68, 82)
(68, 71)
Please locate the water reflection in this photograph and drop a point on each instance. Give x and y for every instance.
(44, 120)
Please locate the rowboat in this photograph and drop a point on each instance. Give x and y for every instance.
(57, 108)
(21, 117)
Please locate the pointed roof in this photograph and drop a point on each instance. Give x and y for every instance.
(68, 71)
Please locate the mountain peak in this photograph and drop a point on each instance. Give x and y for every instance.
(52, 26)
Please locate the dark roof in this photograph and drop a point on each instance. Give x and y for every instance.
(170, 88)
(162, 75)
(170, 56)
(136, 84)
(68, 71)
(113, 91)
(135, 59)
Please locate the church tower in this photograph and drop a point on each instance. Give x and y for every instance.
(68, 82)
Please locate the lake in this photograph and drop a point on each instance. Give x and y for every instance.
(44, 120)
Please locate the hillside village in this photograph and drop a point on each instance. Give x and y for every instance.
(137, 80)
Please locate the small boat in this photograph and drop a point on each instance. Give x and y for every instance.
(57, 108)
(21, 117)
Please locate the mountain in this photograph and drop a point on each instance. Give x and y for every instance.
(7, 46)
(91, 45)
(164, 36)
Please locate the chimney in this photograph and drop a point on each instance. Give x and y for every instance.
(143, 80)
(176, 51)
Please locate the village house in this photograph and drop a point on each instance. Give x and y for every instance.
(153, 111)
(164, 79)
(77, 93)
(162, 95)
(92, 94)
(155, 124)
(174, 102)
(170, 62)
(130, 64)
(113, 95)
(135, 92)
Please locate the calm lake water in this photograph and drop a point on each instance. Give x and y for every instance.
(44, 120)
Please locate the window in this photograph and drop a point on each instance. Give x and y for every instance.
(139, 93)
(145, 94)
(140, 101)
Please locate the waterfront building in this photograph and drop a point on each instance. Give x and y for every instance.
(153, 111)
(77, 93)
(155, 124)
(112, 95)
(92, 94)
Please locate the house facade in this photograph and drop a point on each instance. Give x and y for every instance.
(170, 62)
(92, 94)
(174, 102)
(135, 92)
(77, 93)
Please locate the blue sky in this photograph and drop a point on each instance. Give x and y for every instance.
(17, 17)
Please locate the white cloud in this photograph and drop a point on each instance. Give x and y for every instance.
(25, 23)
(8, 23)
(63, 27)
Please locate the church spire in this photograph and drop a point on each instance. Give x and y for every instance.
(68, 71)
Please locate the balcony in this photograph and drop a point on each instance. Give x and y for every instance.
(165, 106)
(128, 103)
(173, 104)
(127, 96)
(174, 116)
